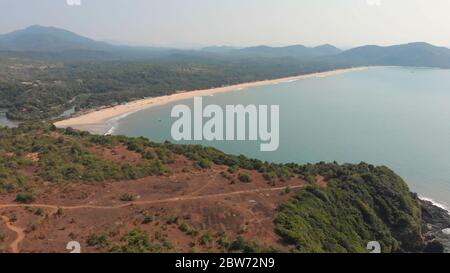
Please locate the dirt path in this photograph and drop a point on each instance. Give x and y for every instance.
(21, 234)
(19, 231)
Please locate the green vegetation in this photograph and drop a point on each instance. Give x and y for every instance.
(25, 197)
(242, 245)
(361, 203)
(245, 178)
(147, 219)
(205, 238)
(223, 240)
(39, 212)
(57, 155)
(189, 229)
(64, 155)
(98, 240)
(204, 163)
(136, 241)
(127, 197)
(172, 220)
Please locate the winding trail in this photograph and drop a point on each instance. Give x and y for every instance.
(21, 234)
(19, 231)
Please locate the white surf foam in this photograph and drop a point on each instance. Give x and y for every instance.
(446, 231)
(110, 131)
(115, 121)
(293, 80)
(437, 204)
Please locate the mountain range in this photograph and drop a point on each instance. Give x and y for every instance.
(287, 51)
(51, 41)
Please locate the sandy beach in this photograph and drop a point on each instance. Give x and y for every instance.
(98, 120)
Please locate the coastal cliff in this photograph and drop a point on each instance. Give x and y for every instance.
(436, 227)
(361, 203)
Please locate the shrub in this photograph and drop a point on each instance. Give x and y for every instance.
(39, 212)
(242, 229)
(136, 241)
(148, 155)
(60, 212)
(206, 238)
(188, 229)
(245, 178)
(204, 163)
(172, 220)
(25, 197)
(127, 197)
(147, 220)
(233, 169)
(98, 240)
(253, 246)
(223, 239)
(270, 176)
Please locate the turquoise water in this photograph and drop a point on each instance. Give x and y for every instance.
(398, 117)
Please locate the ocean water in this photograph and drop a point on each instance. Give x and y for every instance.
(398, 117)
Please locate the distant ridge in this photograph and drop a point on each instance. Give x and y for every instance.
(290, 51)
(48, 39)
(50, 42)
(219, 49)
(327, 49)
(411, 54)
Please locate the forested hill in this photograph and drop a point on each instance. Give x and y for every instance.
(362, 203)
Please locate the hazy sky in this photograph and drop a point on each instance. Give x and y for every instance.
(192, 23)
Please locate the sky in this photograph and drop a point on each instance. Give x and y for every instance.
(198, 23)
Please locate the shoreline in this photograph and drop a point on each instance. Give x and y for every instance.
(435, 203)
(101, 120)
